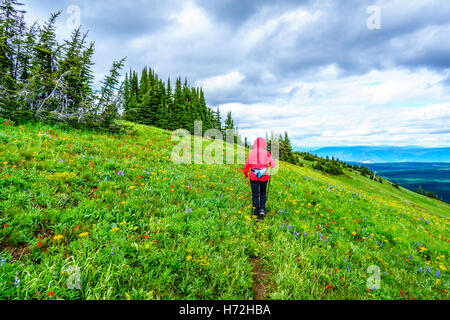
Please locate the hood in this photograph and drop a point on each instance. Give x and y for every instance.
(260, 143)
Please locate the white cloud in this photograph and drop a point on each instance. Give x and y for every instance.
(346, 111)
(223, 82)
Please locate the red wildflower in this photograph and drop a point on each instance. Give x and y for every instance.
(51, 293)
(146, 237)
(39, 243)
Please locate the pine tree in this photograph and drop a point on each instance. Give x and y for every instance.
(420, 190)
(12, 29)
(76, 62)
(229, 123)
(110, 94)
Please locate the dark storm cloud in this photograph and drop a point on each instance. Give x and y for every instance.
(339, 36)
(235, 13)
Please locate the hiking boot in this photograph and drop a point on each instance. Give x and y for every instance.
(262, 213)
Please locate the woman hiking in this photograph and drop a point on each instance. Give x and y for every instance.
(256, 166)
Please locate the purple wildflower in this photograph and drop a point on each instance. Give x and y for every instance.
(16, 281)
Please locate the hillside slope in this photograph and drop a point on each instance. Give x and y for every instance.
(117, 213)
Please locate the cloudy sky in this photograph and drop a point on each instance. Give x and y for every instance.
(329, 72)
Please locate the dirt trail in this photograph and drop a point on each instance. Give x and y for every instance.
(259, 277)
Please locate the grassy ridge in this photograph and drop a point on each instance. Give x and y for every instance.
(133, 225)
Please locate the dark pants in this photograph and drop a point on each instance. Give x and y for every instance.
(259, 196)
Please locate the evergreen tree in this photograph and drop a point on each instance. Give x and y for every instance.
(420, 190)
(229, 123)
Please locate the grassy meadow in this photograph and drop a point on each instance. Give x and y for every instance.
(114, 212)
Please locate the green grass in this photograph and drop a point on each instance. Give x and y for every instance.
(166, 231)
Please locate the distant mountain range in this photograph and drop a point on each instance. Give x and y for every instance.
(382, 154)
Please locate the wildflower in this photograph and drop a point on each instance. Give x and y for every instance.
(146, 237)
(189, 258)
(50, 294)
(58, 237)
(84, 234)
(348, 268)
(289, 227)
(438, 274)
(39, 243)
(2, 262)
(16, 281)
(420, 269)
(114, 229)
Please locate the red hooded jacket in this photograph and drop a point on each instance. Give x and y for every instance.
(258, 158)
